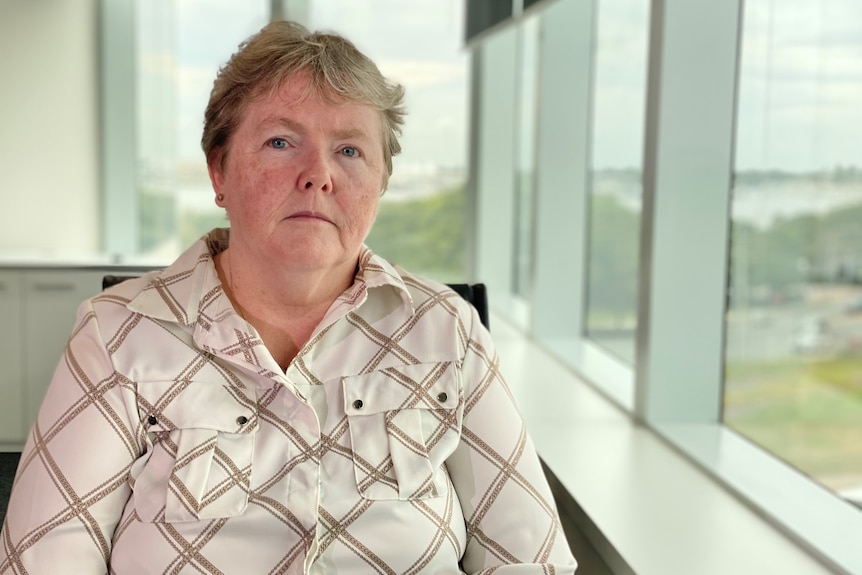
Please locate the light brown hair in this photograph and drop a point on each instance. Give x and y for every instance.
(338, 71)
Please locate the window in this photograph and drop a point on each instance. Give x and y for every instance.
(619, 99)
(793, 365)
(677, 146)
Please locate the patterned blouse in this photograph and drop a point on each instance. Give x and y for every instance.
(170, 441)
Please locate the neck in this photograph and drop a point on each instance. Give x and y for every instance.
(271, 286)
(284, 307)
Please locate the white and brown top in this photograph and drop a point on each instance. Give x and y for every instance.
(170, 441)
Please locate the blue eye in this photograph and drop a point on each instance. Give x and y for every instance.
(278, 143)
(350, 151)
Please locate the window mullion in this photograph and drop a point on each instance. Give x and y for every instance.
(686, 209)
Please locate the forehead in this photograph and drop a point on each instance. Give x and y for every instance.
(298, 102)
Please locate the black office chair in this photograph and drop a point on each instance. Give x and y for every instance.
(476, 294)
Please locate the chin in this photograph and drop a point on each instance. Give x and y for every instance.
(309, 257)
(308, 252)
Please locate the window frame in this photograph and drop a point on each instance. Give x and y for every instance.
(119, 194)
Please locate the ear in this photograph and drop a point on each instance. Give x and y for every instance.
(215, 167)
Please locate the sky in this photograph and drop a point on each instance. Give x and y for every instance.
(799, 100)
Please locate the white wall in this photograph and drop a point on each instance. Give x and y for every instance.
(49, 152)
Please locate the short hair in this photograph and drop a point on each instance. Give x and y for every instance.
(338, 70)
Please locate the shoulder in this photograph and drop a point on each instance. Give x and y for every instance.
(111, 304)
(423, 294)
(127, 285)
(120, 289)
(452, 299)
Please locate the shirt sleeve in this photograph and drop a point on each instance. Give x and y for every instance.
(71, 486)
(512, 522)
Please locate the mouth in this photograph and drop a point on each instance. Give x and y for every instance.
(309, 216)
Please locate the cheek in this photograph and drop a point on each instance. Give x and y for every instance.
(369, 209)
(258, 189)
(363, 213)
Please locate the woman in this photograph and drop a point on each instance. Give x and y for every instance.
(279, 399)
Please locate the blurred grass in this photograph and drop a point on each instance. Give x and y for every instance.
(807, 412)
(844, 373)
(424, 236)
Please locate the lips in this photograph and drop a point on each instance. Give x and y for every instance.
(309, 215)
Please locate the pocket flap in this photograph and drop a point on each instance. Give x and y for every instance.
(199, 404)
(421, 386)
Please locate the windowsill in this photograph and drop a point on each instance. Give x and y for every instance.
(654, 510)
(75, 261)
(811, 512)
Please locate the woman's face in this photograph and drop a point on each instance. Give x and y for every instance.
(301, 179)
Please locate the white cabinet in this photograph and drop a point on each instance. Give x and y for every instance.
(37, 309)
(11, 364)
(51, 298)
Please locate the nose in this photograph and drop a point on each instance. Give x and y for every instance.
(316, 174)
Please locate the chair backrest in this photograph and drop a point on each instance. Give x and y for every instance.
(476, 294)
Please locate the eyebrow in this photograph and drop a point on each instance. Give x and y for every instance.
(279, 121)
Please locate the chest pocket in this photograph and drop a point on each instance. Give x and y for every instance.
(404, 422)
(200, 440)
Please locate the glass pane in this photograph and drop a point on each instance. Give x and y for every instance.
(525, 157)
(421, 221)
(180, 45)
(793, 373)
(619, 101)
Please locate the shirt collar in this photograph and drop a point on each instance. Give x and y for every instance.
(177, 293)
(182, 291)
(376, 272)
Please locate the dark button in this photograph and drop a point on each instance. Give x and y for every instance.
(357, 403)
(442, 397)
(242, 420)
(152, 420)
